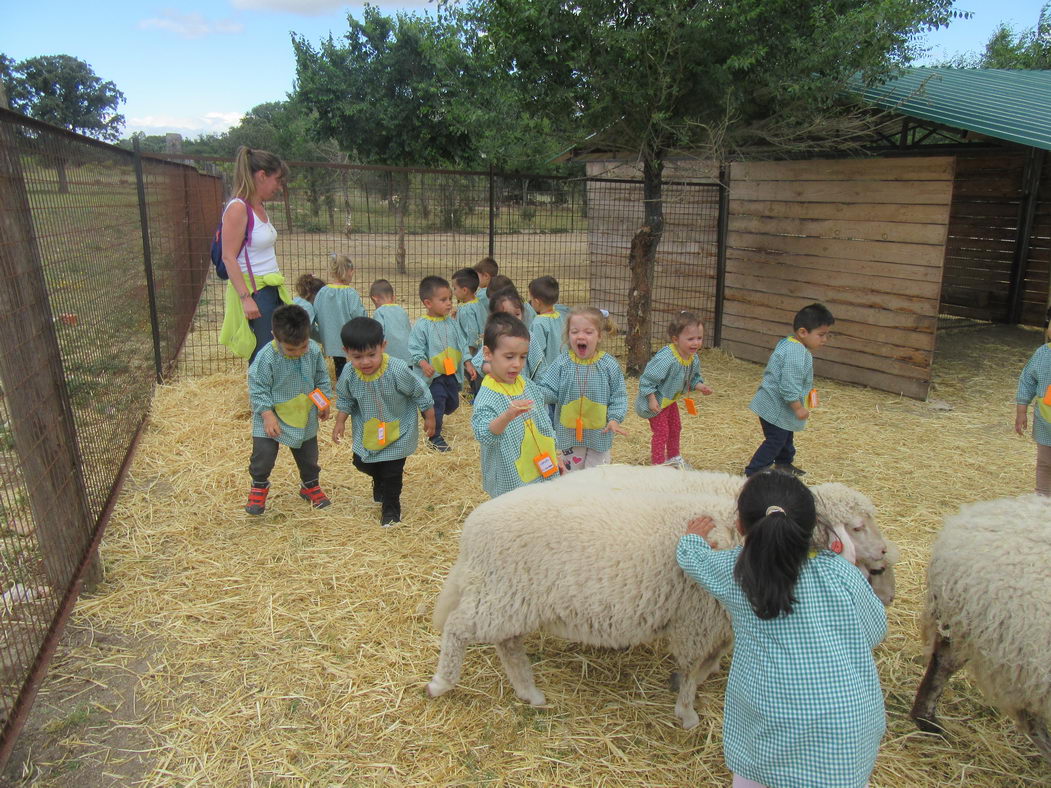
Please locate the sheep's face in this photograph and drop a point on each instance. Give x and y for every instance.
(854, 513)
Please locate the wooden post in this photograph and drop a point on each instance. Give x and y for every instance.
(1034, 165)
(34, 385)
(720, 264)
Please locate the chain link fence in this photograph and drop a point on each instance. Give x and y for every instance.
(107, 289)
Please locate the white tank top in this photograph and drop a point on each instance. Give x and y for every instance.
(260, 246)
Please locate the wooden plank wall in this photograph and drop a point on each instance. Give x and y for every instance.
(865, 237)
(1037, 294)
(982, 229)
(686, 257)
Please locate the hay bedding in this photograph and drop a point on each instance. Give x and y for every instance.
(297, 651)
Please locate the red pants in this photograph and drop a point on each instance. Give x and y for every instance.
(666, 428)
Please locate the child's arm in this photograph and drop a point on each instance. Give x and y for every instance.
(344, 405)
(1021, 418)
(260, 394)
(412, 387)
(791, 382)
(469, 370)
(698, 383)
(872, 616)
(429, 424)
(652, 377)
(1027, 383)
(517, 408)
(711, 569)
(550, 382)
(618, 398)
(418, 348)
(340, 426)
(322, 381)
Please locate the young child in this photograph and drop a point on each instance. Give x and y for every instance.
(670, 376)
(281, 380)
(393, 318)
(1035, 384)
(548, 327)
(784, 397)
(509, 301)
(336, 304)
(436, 348)
(307, 287)
(587, 388)
(381, 395)
(803, 703)
(509, 419)
(470, 315)
(486, 268)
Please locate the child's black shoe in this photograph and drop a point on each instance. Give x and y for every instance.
(789, 468)
(391, 515)
(438, 442)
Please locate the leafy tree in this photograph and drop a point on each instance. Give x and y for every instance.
(1029, 49)
(653, 75)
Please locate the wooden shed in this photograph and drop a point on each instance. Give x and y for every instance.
(949, 215)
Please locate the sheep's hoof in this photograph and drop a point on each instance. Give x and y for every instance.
(688, 718)
(930, 725)
(533, 698)
(438, 686)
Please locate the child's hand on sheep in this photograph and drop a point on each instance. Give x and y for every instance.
(700, 526)
(615, 427)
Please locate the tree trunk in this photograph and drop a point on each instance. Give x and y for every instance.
(63, 177)
(401, 206)
(641, 263)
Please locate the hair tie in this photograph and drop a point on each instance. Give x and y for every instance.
(604, 312)
(771, 509)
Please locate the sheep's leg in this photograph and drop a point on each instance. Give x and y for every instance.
(1036, 729)
(689, 678)
(519, 671)
(450, 661)
(943, 664)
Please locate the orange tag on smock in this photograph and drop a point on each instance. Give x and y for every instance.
(545, 465)
(449, 366)
(580, 429)
(691, 406)
(811, 399)
(317, 396)
(1047, 396)
(381, 433)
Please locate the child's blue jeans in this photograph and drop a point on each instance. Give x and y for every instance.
(446, 392)
(777, 447)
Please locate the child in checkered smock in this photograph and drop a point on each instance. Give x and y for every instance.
(393, 318)
(671, 375)
(335, 304)
(507, 300)
(587, 388)
(381, 395)
(509, 418)
(803, 706)
(1034, 385)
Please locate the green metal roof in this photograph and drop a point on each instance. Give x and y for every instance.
(1005, 104)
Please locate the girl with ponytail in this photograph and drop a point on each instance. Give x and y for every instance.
(803, 706)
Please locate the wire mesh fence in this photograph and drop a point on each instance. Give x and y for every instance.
(106, 289)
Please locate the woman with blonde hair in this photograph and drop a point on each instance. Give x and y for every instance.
(248, 241)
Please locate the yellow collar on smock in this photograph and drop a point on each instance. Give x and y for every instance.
(510, 389)
(675, 352)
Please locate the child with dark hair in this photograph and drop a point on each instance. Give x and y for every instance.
(671, 375)
(470, 315)
(803, 704)
(393, 318)
(786, 394)
(486, 268)
(381, 395)
(548, 326)
(284, 382)
(1034, 385)
(509, 418)
(436, 348)
(506, 300)
(307, 287)
(336, 303)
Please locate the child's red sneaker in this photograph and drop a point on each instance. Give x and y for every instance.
(312, 492)
(257, 498)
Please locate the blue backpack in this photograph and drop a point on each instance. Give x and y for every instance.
(216, 252)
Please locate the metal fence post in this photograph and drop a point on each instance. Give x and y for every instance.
(147, 259)
(492, 213)
(720, 264)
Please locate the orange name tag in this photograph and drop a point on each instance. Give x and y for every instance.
(381, 433)
(811, 398)
(691, 406)
(448, 366)
(1047, 396)
(317, 396)
(580, 429)
(545, 465)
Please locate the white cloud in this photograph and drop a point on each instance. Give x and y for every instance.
(208, 123)
(318, 7)
(191, 25)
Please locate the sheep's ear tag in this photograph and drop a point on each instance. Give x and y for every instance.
(836, 546)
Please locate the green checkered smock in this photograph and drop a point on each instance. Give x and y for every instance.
(335, 305)
(470, 319)
(434, 338)
(274, 379)
(803, 706)
(528, 315)
(391, 393)
(501, 452)
(788, 377)
(668, 375)
(546, 333)
(592, 390)
(396, 330)
(1033, 384)
(482, 294)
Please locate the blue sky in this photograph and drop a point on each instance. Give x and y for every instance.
(195, 67)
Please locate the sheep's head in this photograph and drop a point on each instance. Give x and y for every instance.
(842, 509)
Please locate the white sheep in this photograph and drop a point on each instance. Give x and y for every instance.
(591, 558)
(989, 607)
